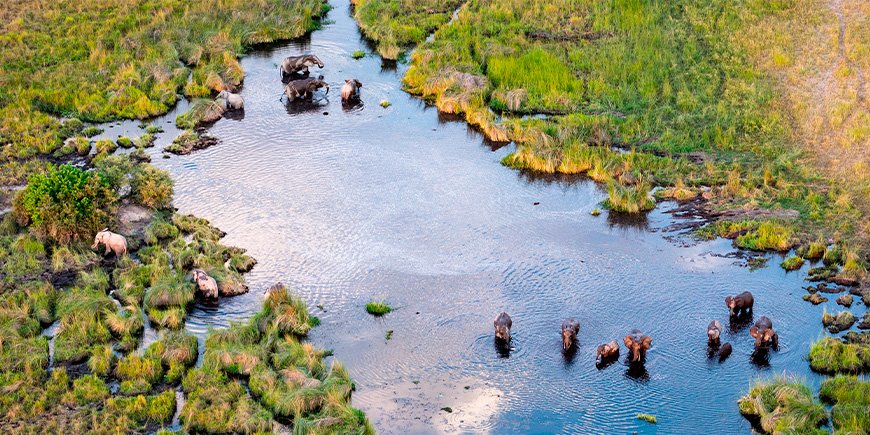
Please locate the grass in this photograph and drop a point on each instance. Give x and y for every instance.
(628, 199)
(378, 308)
(830, 355)
(358, 54)
(395, 25)
(683, 83)
(647, 418)
(768, 236)
(384, 104)
(792, 263)
(783, 406)
(120, 61)
(850, 397)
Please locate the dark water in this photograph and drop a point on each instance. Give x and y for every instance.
(350, 204)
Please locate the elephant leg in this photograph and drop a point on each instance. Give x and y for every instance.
(108, 249)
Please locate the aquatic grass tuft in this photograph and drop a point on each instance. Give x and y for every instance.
(358, 54)
(628, 199)
(792, 263)
(647, 418)
(783, 405)
(378, 308)
(830, 355)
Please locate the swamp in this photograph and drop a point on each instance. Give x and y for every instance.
(302, 216)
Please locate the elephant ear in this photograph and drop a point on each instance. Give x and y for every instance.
(646, 341)
(753, 331)
(728, 301)
(769, 335)
(628, 341)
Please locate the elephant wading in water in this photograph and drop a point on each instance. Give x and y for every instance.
(114, 242)
(637, 345)
(764, 335)
(502, 326)
(607, 352)
(205, 284)
(714, 330)
(740, 304)
(350, 89)
(570, 328)
(298, 65)
(305, 88)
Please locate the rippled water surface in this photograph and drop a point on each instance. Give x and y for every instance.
(349, 204)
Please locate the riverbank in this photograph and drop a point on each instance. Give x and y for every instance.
(685, 87)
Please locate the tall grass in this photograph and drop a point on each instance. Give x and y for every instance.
(783, 405)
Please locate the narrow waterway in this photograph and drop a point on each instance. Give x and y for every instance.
(350, 204)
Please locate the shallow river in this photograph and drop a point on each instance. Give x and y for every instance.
(350, 204)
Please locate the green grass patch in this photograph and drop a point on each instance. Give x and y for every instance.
(792, 263)
(647, 418)
(830, 355)
(783, 406)
(850, 397)
(378, 308)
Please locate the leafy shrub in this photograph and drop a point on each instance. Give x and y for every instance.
(152, 187)
(66, 204)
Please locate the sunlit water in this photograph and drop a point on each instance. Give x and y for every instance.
(350, 204)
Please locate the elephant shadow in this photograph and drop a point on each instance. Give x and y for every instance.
(502, 348)
(605, 363)
(712, 350)
(739, 323)
(235, 115)
(569, 354)
(353, 105)
(636, 371)
(301, 106)
(760, 358)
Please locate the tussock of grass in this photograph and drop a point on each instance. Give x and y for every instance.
(101, 361)
(647, 418)
(813, 251)
(830, 355)
(378, 308)
(850, 398)
(783, 405)
(89, 389)
(628, 199)
(792, 263)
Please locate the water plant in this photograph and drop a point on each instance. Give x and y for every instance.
(378, 308)
(358, 54)
(830, 355)
(792, 263)
(647, 418)
(628, 199)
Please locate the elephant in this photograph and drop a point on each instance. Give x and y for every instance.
(350, 89)
(764, 334)
(740, 304)
(232, 101)
(637, 345)
(503, 325)
(205, 284)
(714, 329)
(114, 242)
(725, 351)
(304, 88)
(607, 352)
(298, 64)
(570, 328)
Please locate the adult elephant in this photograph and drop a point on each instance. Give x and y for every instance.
(637, 345)
(305, 88)
(296, 65)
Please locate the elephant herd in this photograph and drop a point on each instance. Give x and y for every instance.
(206, 285)
(739, 307)
(298, 85)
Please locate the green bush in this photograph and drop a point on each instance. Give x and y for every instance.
(152, 187)
(66, 204)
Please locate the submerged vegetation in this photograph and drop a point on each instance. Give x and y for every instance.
(378, 308)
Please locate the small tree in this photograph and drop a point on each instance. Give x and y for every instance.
(65, 203)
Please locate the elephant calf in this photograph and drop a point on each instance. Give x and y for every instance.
(304, 88)
(502, 326)
(607, 352)
(740, 304)
(725, 351)
(714, 329)
(114, 242)
(205, 284)
(764, 334)
(570, 328)
(350, 89)
(637, 345)
(232, 101)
